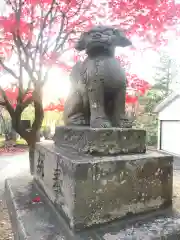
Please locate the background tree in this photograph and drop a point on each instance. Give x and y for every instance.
(166, 73)
(3, 125)
(145, 118)
(165, 78)
(35, 35)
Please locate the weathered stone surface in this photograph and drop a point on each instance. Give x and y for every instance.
(33, 221)
(102, 141)
(98, 84)
(90, 190)
(40, 221)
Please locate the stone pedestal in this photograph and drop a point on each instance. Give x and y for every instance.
(101, 141)
(89, 190)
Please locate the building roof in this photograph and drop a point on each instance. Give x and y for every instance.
(169, 99)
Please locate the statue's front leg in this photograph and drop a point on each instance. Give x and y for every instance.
(98, 117)
(119, 118)
(73, 110)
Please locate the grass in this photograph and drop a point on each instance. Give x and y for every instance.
(18, 141)
(21, 142)
(2, 141)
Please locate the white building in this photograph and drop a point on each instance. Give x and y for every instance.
(169, 124)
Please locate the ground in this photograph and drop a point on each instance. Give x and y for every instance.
(19, 141)
(10, 166)
(5, 226)
(17, 164)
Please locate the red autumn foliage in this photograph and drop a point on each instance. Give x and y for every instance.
(37, 199)
(32, 15)
(131, 15)
(12, 94)
(9, 151)
(59, 107)
(149, 19)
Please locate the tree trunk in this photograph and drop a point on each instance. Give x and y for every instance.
(30, 135)
(32, 143)
(31, 157)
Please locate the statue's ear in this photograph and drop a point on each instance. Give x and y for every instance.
(81, 43)
(120, 39)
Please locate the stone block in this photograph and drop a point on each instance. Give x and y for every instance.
(89, 190)
(35, 221)
(102, 141)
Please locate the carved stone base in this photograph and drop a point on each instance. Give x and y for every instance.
(89, 190)
(101, 141)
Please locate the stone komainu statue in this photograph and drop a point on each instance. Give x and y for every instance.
(98, 85)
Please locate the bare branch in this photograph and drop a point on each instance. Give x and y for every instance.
(61, 45)
(43, 26)
(9, 70)
(39, 115)
(29, 71)
(21, 106)
(18, 13)
(50, 27)
(2, 104)
(25, 48)
(7, 103)
(26, 64)
(79, 8)
(46, 76)
(9, 2)
(26, 103)
(62, 25)
(31, 25)
(29, 86)
(18, 46)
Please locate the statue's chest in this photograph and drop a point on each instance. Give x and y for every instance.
(106, 70)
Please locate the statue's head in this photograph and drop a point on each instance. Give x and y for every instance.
(102, 36)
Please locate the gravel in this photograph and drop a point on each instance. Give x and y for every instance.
(5, 225)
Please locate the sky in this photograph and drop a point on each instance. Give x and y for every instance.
(2, 6)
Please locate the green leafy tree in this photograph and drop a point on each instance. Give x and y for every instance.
(146, 118)
(165, 76)
(166, 73)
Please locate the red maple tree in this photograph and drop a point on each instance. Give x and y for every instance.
(149, 19)
(36, 33)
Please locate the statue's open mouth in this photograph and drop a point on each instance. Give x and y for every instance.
(101, 39)
(98, 43)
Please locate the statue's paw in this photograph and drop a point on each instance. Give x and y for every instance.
(100, 123)
(125, 123)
